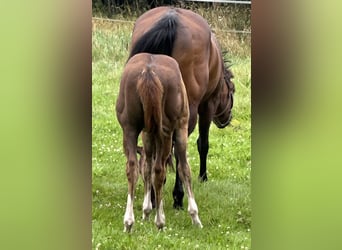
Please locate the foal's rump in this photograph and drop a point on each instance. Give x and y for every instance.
(155, 92)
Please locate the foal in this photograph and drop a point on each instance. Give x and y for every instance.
(153, 100)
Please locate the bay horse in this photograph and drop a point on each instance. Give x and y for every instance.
(152, 99)
(187, 37)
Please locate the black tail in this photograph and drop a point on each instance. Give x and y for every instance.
(160, 38)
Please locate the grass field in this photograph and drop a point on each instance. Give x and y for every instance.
(224, 202)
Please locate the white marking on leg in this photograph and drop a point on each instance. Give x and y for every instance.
(147, 205)
(160, 216)
(129, 215)
(193, 211)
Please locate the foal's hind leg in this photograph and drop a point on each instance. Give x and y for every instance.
(185, 174)
(130, 147)
(147, 204)
(163, 150)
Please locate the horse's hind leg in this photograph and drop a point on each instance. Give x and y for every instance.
(130, 147)
(178, 192)
(185, 173)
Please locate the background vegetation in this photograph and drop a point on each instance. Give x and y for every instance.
(224, 201)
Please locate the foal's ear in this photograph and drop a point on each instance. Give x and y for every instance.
(140, 150)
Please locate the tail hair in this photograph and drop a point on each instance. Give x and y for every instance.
(150, 90)
(160, 38)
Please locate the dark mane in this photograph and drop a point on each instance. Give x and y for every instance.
(228, 75)
(160, 38)
(227, 63)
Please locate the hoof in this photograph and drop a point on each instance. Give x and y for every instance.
(146, 214)
(198, 224)
(128, 227)
(195, 220)
(160, 226)
(203, 178)
(178, 200)
(178, 205)
(160, 222)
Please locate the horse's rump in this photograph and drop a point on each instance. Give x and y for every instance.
(160, 38)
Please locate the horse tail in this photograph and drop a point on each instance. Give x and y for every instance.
(160, 38)
(150, 90)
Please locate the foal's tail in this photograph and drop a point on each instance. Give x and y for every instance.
(160, 38)
(151, 91)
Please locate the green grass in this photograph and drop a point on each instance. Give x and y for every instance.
(224, 202)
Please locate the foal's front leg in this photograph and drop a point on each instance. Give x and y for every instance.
(163, 150)
(147, 204)
(146, 167)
